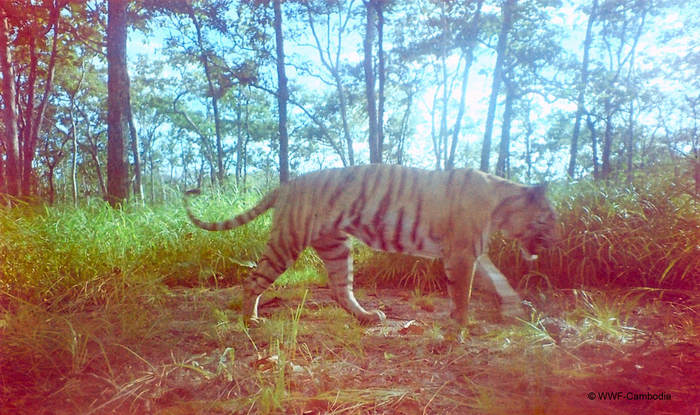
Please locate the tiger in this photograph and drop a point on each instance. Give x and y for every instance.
(435, 214)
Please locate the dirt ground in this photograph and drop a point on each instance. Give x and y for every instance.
(310, 357)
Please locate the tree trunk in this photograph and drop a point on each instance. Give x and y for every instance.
(133, 134)
(468, 61)
(10, 116)
(630, 79)
(401, 141)
(580, 101)
(508, 11)
(382, 78)
(344, 116)
(610, 110)
(330, 59)
(374, 155)
(446, 88)
(239, 134)
(74, 148)
(74, 136)
(282, 94)
(433, 134)
(504, 147)
(35, 117)
(220, 174)
(117, 101)
(594, 146)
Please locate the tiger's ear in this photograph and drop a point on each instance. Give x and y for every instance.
(537, 192)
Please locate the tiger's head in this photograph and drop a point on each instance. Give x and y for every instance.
(530, 218)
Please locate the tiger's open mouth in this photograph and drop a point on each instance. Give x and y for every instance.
(533, 245)
(527, 256)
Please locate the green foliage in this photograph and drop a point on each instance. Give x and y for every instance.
(638, 236)
(396, 270)
(644, 236)
(50, 251)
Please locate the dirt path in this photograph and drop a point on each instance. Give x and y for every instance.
(199, 359)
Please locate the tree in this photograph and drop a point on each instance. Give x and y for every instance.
(618, 19)
(469, 44)
(205, 56)
(504, 146)
(375, 152)
(34, 116)
(282, 94)
(532, 60)
(30, 24)
(117, 102)
(13, 174)
(330, 52)
(581, 87)
(508, 12)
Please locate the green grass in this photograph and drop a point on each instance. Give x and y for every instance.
(623, 238)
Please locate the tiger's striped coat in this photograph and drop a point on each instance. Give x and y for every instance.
(435, 214)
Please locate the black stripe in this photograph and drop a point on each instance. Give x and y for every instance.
(337, 258)
(324, 248)
(466, 182)
(381, 235)
(327, 187)
(383, 206)
(340, 188)
(449, 186)
(336, 222)
(369, 236)
(360, 202)
(416, 223)
(277, 264)
(257, 273)
(397, 233)
(294, 235)
(402, 184)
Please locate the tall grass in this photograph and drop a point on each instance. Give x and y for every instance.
(58, 264)
(49, 251)
(639, 236)
(648, 236)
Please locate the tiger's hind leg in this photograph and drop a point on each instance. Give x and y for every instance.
(277, 257)
(335, 252)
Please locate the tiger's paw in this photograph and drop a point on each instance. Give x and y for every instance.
(461, 318)
(372, 318)
(253, 322)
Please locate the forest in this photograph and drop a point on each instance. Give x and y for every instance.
(112, 302)
(218, 90)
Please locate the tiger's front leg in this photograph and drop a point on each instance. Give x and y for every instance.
(335, 252)
(490, 279)
(460, 267)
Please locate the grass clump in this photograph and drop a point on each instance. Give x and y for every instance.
(642, 235)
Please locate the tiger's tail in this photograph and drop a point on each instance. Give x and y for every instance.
(263, 206)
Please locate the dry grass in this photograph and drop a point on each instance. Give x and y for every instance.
(310, 357)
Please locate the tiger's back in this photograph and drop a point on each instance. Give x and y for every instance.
(449, 215)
